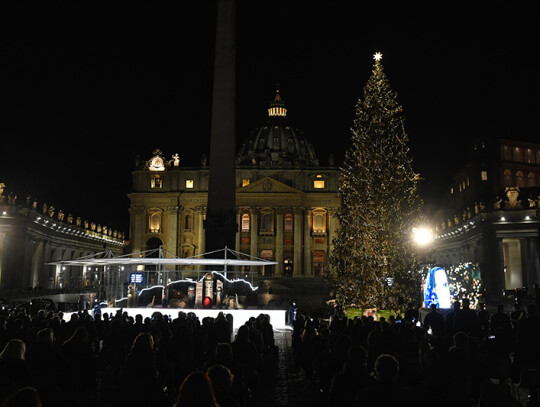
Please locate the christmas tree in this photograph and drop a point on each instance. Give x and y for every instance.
(373, 261)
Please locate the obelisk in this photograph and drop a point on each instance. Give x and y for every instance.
(220, 225)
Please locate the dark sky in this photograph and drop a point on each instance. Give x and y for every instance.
(85, 86)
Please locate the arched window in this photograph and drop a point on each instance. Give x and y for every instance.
(245, 222)
(188, 222)
(154, 220)
(318, 222)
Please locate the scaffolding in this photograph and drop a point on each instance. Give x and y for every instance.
(114, 271)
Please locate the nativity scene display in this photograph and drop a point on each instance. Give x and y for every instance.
(212, 291)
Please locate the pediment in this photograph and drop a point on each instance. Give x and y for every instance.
(268, 185)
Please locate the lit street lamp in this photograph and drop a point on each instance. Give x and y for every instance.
(422, 236)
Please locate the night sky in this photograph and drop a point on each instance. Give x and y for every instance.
(88, 86)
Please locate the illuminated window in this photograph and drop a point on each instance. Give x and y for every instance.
(245, 182)
(154, 221)
(452, 190)
(156, 182)
(288, 224)
(189, 184)
(318, 184)
(245, 222)
(483, 175)
(318, 222)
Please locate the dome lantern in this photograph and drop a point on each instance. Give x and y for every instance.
(277, 106)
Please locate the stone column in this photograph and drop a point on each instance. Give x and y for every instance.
(138, 227)
(533, 271)
(171, 229)
(253, 242)
(200, 229)
(308, 272)
(332, 228)
(499, 278)
(239, 223)
(2, 259)
(297, 261)
(279, 242)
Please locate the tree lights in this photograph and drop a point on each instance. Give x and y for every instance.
(379, 201)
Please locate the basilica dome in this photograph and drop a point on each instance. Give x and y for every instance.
(277, 143)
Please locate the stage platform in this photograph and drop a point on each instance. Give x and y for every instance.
(277, 317)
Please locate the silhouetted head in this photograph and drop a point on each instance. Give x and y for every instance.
(196, 390)
(24, 397)
(143, 343)
(223, 352)
(461, 340)
(356, 355)
(387, 368)
(220, 376)
(15, 349)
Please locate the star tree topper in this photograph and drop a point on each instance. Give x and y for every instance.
(377, 56)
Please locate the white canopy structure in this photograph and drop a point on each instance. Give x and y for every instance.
(116, 269)
(107, 258)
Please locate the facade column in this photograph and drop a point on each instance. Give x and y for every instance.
(239, 224)
(138, 227)
(307, 244)
(297, 259)
(200, 229)
(500, 278)
(3, 258)
(253, 241)
(533, 270)
(173, 219)
(279, 243)
(332, 228)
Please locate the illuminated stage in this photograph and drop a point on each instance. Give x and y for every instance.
(277, 317)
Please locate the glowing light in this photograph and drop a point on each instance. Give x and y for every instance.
(377, 56)
(422, 236)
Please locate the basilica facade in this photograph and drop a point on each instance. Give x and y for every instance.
(286, 202)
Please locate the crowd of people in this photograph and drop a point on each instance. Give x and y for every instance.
(462, 357)
(120, 360)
